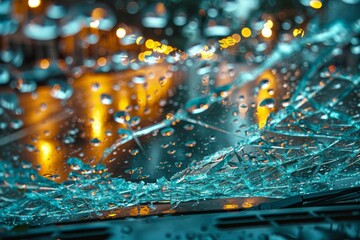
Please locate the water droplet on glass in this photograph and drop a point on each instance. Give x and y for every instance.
(30, 147)
(134, 152)
(121, 117)
(16, 123)
(243, 108)
(95, 86)
(123, 133)
(189, 127)
(197, 105)
(106, 99)
(264, 84)
(139, 79)
(95, 142)
(75, 163)
(191, 143)
(24, 85)
(60, 89)
(134, 121)
(268, 102)
(166, 132)
(285, 102)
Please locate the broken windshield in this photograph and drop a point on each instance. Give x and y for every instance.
(106, 105)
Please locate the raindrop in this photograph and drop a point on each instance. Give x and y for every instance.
(166, 132)
(268, 102)
(134, 152)
(134, 121)
(123, 133)
(68, 139)
(264, 84)
(162, 81)
(189, 127)
(30, 147)
(191, 143)
(285, 102)
(95, 142)
(171, 152)
(95, 86)
(121, 117)
(16, 123)
(24, 85)
(139, 79)
(106, 99)
(178, 164)
(60, 89)
(75, 163)
(243, 108)
(197, 105)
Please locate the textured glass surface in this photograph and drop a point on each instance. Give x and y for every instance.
(115, 104)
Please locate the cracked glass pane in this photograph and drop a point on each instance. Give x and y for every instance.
(129, 103)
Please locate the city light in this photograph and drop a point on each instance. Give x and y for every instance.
(246, 32)
(34, 3)
(120, 32)
(316, 4)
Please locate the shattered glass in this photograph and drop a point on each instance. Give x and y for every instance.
(254, 105)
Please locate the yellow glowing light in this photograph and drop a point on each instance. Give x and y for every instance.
(141, 56)
(101, 61)
(34, 3)
(316, 4)
(298, 32)
(269, 24)
(246, 32)
(120, 32)
(45, 149)
(168, 49)
(138, 40)
(263, 112)
(206, 53)
(124, 99)
(94, 24)
(266, 32)
(97, 124)
(149, 43)
(157, 44)
(247, 205)
(44, 63)
(230, 206)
